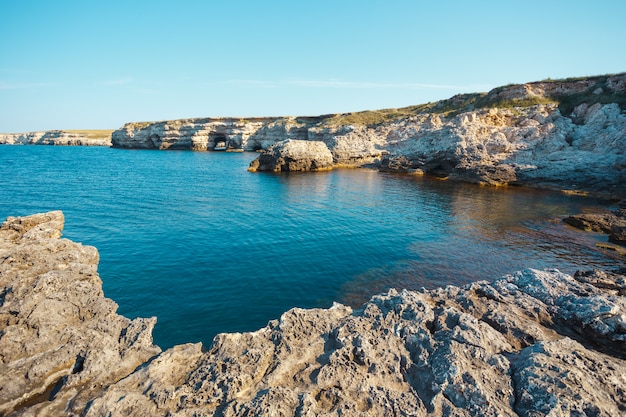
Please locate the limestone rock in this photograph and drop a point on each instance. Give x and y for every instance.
(61, 341)
(204, 134)
(530, 343)
(529, 134)
(611, 223)
(294, 155)
(533, 343)
(54, 137)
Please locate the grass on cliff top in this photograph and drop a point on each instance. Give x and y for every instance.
(468, 102)
(92, 134)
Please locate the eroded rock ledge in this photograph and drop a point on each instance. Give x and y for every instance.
(531, 343)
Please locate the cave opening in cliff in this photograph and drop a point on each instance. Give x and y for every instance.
(155, 140)
(220, 143)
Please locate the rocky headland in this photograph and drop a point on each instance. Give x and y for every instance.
(566, 134)
(532, 343)
(58, 138)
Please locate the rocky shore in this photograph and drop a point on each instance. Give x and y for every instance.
(611, 223)
(567, 134)
(58, 138)
(531, 343)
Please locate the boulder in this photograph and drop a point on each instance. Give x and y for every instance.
(618, 235)
(294, 155)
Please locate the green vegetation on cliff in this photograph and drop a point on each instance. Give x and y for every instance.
(92, 134)
(567, 94)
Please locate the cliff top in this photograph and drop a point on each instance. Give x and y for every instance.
(566, 93)
(86, 133)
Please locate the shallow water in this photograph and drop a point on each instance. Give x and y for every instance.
(207, 247)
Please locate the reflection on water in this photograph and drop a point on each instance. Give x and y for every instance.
(207, 247)
(482, 233)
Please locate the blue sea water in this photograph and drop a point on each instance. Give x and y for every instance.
(207, 247)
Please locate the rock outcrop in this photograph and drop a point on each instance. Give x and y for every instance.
(58, 137)
(250, 134)
(61, 342)
(531, 343)
(611, 223)
(294, 155)
(568, 134)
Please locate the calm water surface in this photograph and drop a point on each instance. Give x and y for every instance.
(207, 247)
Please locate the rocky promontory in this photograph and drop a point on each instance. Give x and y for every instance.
(294, 155)
(59, 138)
(565, 134)
(532, 343)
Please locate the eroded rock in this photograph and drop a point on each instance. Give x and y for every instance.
(535, 341)
(58, 137)
(294, 155)
(550, 134)
(612, 223)
(61, 341)
(530, 343)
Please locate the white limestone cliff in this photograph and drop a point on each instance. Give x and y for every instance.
(56, 137)
(559, 134)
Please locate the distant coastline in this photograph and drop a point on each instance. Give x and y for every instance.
(59, 138)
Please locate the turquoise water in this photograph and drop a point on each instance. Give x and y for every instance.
(207, 247)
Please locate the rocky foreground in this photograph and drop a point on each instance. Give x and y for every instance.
(533, 343)
(566, 134)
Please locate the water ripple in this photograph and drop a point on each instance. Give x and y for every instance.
(208, 247)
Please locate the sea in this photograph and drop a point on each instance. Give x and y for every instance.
(207, 247)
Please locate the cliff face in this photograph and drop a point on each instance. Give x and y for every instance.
(532, 343)
(567, 134)
(206, 134)
(58, 137)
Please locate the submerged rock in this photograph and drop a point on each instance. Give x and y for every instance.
(612, 223)
(530, 343)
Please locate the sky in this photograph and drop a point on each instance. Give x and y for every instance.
(68, 64)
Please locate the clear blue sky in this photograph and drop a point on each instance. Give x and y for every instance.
(85, 64)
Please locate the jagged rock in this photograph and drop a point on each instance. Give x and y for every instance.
(294, 155)
(615, 283)
(533, 343)
(530, 343)
(61, 342)
(499, 174)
